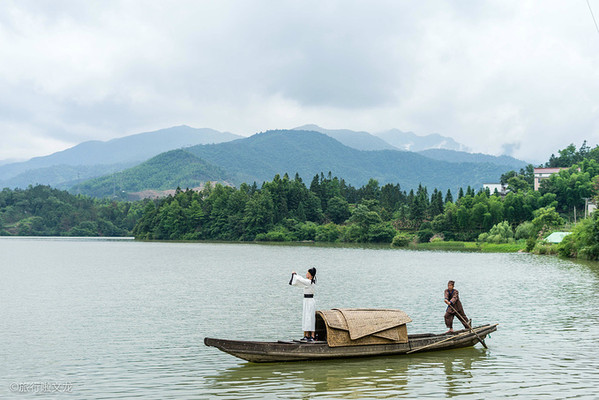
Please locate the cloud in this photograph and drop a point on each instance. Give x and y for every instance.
(509, 148)
(487, 74)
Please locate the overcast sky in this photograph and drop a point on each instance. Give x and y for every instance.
(515, 77)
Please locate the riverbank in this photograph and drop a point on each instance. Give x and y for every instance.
(471, 246)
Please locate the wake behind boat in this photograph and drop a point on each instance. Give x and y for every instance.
(347, 333)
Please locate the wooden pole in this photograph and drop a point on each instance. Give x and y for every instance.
(461, 318)
(436, 343)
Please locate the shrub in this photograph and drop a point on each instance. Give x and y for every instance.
(531, 242)
(437, 237)
(543, 247)
(327, 233)
(499, 233)
(546, 218)
(584, 240)
(567, 248)
(279, 234)
(525, 230)
(381, 233)
(306, 230)
(402, 240)
(352, 233)
(424, 235)
(85, 228)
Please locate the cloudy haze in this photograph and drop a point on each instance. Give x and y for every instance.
(516, 77)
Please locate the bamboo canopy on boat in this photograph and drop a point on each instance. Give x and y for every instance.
(363, 326)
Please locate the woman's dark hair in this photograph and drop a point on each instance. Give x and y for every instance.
(312, 272)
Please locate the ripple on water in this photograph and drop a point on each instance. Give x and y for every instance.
(127, 319)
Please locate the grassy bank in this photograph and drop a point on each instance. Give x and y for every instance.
(470, 246)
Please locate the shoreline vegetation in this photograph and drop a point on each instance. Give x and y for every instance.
(329, 210)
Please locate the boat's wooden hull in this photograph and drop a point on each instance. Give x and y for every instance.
(297, 351)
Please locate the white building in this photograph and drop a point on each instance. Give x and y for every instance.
(544, 173)
(501, 189)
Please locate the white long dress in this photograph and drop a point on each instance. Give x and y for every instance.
(309, 314)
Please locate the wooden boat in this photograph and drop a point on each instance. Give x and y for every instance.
(379, 343)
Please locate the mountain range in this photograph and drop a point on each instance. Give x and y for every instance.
(96, 158)
(356, 139)
(260, 157)
(411, 142)
(147, 161)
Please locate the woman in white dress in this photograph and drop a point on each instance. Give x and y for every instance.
(309, 313)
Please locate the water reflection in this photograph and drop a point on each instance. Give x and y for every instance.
(351, 378)
(126, 319)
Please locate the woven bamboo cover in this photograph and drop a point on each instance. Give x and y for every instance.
(354, 327)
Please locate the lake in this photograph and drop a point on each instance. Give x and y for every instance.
(105, 319)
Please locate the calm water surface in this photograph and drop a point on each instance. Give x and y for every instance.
(124, 319)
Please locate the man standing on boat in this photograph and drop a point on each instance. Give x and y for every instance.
(454, 307)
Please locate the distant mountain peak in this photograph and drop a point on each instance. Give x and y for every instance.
(412, 142)
(392, 139)
(359, 140)
(309, 127)
(124, 151)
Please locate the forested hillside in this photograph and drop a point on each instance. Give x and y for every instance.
(95, 158)
(43, 211)
(260, 157)
(63, 176)
(165, 171)
(460, 157)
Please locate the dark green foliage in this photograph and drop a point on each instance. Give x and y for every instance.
(381, 233)
(448, 197)
(572, 186)
(570, 156)
(338, 210)
(43, 211)
(327, 233)
(424, 235)
(525, 230)
(282, 210)
(584, 240)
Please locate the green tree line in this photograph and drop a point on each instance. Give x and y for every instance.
(330, 210)
(327, 209)
(44, 211)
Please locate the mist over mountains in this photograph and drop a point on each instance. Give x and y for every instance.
(146, 161)
(96, 158)
(409, 141)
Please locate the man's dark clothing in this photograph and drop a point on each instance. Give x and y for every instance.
(454, 299)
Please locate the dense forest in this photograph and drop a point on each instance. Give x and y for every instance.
(330, 210)
(43, 211)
